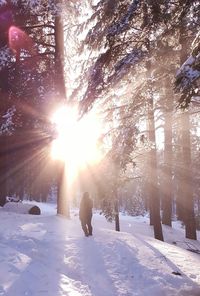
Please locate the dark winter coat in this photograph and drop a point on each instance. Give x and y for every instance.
(85, 212)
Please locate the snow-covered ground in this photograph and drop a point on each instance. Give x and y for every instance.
(48, 255)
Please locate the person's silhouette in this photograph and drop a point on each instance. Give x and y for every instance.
(85, 214)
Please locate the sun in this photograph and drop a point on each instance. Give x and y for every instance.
(77, 140)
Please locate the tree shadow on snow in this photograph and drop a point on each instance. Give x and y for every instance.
(175, 278)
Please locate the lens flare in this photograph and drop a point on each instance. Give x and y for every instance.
(19, 40)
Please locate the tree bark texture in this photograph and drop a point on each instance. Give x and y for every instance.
(117, 225)
(185, 174)
(153, 178)
(187, 191)
(154, 200)
(167, 170)
(62, 198)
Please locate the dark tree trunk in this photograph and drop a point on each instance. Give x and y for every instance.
(154, 200)
(185, 174)
(117, 225)
(178, 170)
(188, 201)
(153, 179)
(167, 180)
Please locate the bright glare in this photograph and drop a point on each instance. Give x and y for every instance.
(76, 143)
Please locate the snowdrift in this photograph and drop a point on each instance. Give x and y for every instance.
(22, 208)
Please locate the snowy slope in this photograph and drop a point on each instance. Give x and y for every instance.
(48, 255)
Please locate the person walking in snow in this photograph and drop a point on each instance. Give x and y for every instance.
(85, 214)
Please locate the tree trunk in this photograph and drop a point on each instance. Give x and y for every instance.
(183, 178)
(167, 182)
(62, 198)
(185, 174)
(117, 225)
(154, 200)
(153, 178)
(177, 162)
(62, 194)
(188, 201)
